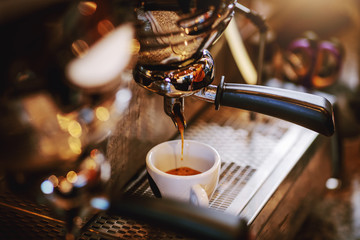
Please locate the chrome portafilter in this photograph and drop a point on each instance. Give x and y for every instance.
(171, 35)
(175, 84)
(307, 110)
(173, 62)
(179, 82)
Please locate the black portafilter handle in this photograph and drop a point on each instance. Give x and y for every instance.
(308, 110)
(180, 217)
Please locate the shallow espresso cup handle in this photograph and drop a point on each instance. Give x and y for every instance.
(198, 196)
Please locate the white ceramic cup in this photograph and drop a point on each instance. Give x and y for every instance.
(196, 189)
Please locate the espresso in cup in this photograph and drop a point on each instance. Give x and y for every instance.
(183, 171)
(193, 178)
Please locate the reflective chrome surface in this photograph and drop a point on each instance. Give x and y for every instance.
(179, 82)
(173, 33)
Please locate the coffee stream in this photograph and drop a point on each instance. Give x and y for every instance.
(183, 171)
(181, 127)
(181, 130)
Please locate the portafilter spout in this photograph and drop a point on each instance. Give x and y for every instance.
(175, 84)
(304, 109)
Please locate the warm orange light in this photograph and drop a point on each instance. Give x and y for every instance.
(54, 180)
(94, 152)
(71, 176)
(75, 145)
(104, 27)
(63, 121)
(135, 46)
(65, 186)
(90, 164)
(87, 8)
(102, 114)
(74, 129)
(79, 47)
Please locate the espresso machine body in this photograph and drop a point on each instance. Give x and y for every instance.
(151, 56)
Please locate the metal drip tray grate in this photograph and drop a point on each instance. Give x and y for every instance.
(251, 149)
(232, 179)
(21, 218)
(115, 227)
(244, 145)
(248, 148)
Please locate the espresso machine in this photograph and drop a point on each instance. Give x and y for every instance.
(87, 86)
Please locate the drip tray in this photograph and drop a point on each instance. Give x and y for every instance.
(251, 148)
(264, 160)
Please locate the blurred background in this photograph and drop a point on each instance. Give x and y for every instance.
(336, 216)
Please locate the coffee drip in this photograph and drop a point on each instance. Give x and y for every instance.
(181, 124)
